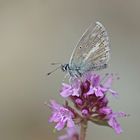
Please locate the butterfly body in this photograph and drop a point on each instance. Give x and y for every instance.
(72, 71)
(76, 71)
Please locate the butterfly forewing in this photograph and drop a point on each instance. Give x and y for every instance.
(92, 51)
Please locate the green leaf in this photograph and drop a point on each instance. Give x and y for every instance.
(98, 121)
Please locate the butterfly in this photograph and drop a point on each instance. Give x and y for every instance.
(90, 54)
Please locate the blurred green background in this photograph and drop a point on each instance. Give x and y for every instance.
(34, 33)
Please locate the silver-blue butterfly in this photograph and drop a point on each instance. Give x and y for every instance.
(90, 54)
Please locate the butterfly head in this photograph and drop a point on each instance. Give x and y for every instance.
(65, 67)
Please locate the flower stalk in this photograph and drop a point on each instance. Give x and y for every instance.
(83, 129)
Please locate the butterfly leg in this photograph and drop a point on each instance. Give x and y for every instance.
(67, 75)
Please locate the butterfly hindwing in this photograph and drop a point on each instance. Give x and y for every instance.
(92, 51)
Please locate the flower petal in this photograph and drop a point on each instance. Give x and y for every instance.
(64, 137)
(98, 92)
(105, 110)
(66, 93)
(54, 105)
(71, 132)
(95, 80)
(115, 125)
(108, 82)
(91, 90)
(114, 93)
(120, 114)
(60, 125)
(70, 123)
(76, 92)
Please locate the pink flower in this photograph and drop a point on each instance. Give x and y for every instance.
(95, 87)
(107, 85)
(115, 125)
(62, 116)
(72, 134)
(111, 118)
(68, 90)
(91, 83)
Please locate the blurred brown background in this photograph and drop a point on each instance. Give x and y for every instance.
(34, 33)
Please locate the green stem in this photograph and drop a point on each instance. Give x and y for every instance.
(83, 129)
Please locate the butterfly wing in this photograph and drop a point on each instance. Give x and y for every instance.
(92, 51)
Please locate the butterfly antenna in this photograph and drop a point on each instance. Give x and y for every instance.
(53, 70)
(55, 63)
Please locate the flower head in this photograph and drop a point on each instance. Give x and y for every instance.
(61, 115)
(89, 96)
